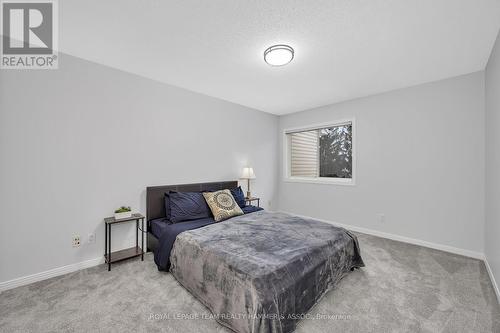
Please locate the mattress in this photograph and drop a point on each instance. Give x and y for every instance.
(262, 272)
(168, 232)
(158, 226)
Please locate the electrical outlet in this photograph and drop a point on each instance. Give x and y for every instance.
(76, 240)
(91, 238)
(381, 218)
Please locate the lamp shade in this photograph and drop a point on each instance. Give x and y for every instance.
(247, 173)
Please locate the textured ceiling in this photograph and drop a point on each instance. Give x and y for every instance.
(344, 49)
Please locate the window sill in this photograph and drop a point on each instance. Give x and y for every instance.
(325, 181)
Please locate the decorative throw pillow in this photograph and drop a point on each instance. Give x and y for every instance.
(222, 205)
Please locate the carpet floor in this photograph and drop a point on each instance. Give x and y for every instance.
(403, 288)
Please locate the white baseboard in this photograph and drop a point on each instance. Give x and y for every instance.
(446, 248)
(50, 273)
(492, 278)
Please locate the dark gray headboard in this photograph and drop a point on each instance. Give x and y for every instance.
(155, 195)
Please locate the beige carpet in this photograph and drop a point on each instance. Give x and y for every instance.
(403, 288)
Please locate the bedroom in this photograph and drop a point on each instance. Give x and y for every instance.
(168, 93)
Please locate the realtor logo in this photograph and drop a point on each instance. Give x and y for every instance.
(29, 34)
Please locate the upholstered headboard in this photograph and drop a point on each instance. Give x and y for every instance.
(155, 195)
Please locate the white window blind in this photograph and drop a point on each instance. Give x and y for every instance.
(304, 154)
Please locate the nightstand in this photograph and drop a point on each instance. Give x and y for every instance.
(112, 257)
(249, 200)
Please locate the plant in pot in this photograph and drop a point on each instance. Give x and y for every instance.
(123, 212)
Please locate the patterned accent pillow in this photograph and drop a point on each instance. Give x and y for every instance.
(222, 205)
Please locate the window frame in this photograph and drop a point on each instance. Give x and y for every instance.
(318, 180)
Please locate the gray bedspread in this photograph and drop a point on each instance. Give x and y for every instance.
(261, 272)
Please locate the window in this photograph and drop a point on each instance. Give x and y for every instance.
(322, 154)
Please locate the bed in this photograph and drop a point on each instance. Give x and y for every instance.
(261, 271)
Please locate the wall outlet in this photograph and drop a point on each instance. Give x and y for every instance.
(76, 240)
(381, 218)
(91, 238)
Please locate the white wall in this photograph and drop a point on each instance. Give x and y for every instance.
(63, 135)
(77, 142)
(492, 246)
(420, 161)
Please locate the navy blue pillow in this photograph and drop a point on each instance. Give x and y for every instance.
(167, 205)
(238, 196)
(185, 206)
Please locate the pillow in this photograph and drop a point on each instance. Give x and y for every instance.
(222, 205)
(167, 205)
(185, 206)
(239, 196)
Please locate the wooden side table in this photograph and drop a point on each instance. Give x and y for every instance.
(249, 200)
(112, 257)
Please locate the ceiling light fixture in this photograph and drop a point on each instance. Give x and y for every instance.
(278, 55)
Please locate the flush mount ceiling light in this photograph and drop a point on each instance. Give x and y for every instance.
(278, 55)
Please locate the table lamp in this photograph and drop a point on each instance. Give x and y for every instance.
(248, 174)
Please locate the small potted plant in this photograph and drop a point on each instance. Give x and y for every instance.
(123, 212)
